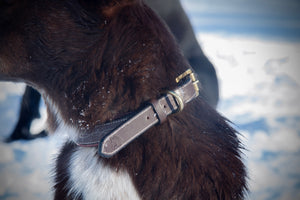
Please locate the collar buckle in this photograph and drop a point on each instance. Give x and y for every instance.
(189, 74)
(183, 78)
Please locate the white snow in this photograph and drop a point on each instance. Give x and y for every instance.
(259, 81)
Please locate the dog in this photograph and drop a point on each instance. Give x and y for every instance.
(173, 14)
(114, 80)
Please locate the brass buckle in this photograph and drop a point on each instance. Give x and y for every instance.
(189, 73)
(195, 82)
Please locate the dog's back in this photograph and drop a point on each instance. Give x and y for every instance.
(97, 61)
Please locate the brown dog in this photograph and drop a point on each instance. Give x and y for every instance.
(98, 64)
(173, 14)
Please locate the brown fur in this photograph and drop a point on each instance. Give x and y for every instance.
(98, 60)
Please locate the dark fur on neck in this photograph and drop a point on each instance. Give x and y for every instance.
(94, 61)
(194, 155)
(129, 48)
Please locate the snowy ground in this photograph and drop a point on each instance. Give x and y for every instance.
(260, 92)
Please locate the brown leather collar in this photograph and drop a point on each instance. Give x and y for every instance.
(113, 136)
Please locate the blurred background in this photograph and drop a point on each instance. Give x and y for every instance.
(255, 48)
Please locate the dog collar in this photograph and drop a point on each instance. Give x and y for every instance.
(113, 136)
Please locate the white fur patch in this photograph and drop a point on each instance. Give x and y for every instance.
(95, 181)
(63, 128)
(89, 176)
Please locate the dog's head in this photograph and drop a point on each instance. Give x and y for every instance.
(92, 60)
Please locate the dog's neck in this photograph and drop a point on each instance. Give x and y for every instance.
(108, 83)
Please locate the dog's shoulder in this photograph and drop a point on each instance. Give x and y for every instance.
(86, 176)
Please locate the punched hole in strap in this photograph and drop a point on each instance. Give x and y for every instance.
(159, 110)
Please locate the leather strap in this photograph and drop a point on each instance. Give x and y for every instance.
(137, 125)
(93, 139)
(114, 136)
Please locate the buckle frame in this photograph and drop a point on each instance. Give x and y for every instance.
(188, 73)
(192, 76)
